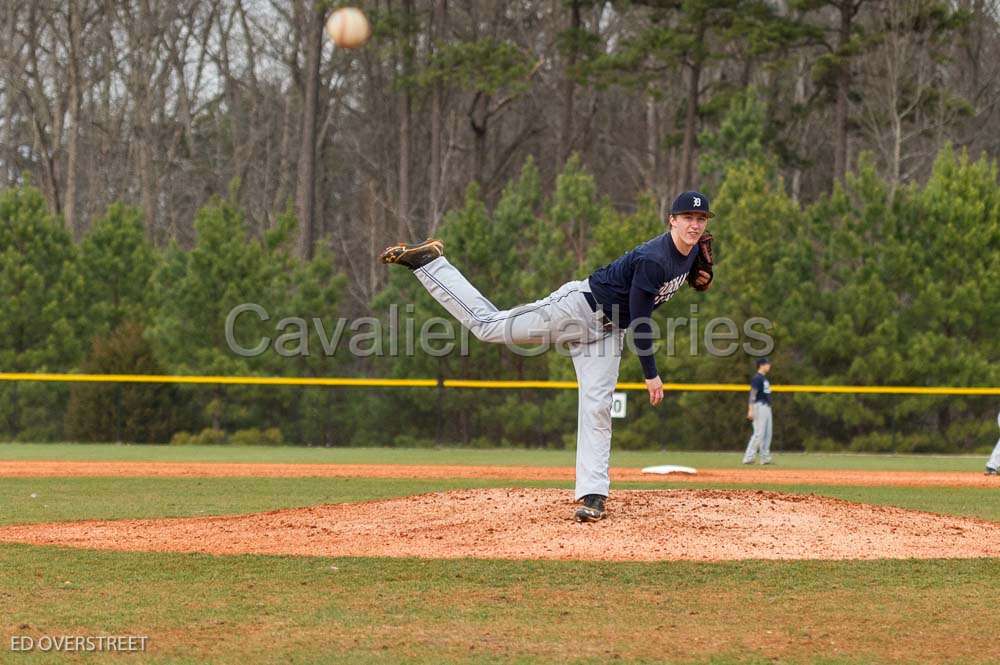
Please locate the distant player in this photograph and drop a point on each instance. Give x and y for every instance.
(589, 317)
(759, 411)
(993, 463)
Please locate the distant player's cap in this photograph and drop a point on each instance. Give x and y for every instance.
(691, 202)
(763, 361)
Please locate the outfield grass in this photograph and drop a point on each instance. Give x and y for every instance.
(486, 457)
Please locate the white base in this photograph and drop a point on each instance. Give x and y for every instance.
(664, 469)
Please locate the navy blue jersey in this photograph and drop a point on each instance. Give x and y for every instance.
(655, 267)
(760, 390)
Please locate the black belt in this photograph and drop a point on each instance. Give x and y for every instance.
(595, 306)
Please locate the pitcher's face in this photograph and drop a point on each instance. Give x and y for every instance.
(689, 226)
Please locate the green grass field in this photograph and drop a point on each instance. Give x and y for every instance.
(497, 456)
(118, 498)
(250, 609)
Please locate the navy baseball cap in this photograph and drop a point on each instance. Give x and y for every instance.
(763, 361)
(691, 202)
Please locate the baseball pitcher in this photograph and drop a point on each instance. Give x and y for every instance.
(590, 317)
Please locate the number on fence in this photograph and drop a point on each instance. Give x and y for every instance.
(619, 405)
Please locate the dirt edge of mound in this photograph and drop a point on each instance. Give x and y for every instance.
(521, 523)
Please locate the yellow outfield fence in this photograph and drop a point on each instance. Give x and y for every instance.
(230, 380)
(347, 382)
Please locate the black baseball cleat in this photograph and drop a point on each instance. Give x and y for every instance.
(413, 256)
(592, 509)
(990, 472)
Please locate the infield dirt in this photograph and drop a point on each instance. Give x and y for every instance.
(748, 475)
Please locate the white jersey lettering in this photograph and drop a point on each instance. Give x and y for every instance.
(668, 290)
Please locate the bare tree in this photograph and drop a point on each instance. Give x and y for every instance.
(164, 104)
(847, 12)
(405, 112)
(564, 143)
(305, 198)
(900, 82)
(73, 64)
(974, 72)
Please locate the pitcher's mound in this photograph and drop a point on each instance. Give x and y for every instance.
(699, 525)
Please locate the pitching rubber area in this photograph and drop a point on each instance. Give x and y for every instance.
(643, 525)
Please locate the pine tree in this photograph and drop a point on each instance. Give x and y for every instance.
(132, 412)
(313, 297)
(117, 263)
(197, 290)
(40, 322)
(742, 136)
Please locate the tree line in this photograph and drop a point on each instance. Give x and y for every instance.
(875, 283)
(163, 105)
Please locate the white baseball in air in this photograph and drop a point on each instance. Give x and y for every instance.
(348, 27)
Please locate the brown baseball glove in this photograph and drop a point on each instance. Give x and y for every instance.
(701, 275)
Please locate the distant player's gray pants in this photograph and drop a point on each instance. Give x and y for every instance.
(563, 318)
(994, 461)
(761, 438)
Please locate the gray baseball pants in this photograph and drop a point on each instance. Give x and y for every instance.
(760, 440)
(565, 319)
(994, 461)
